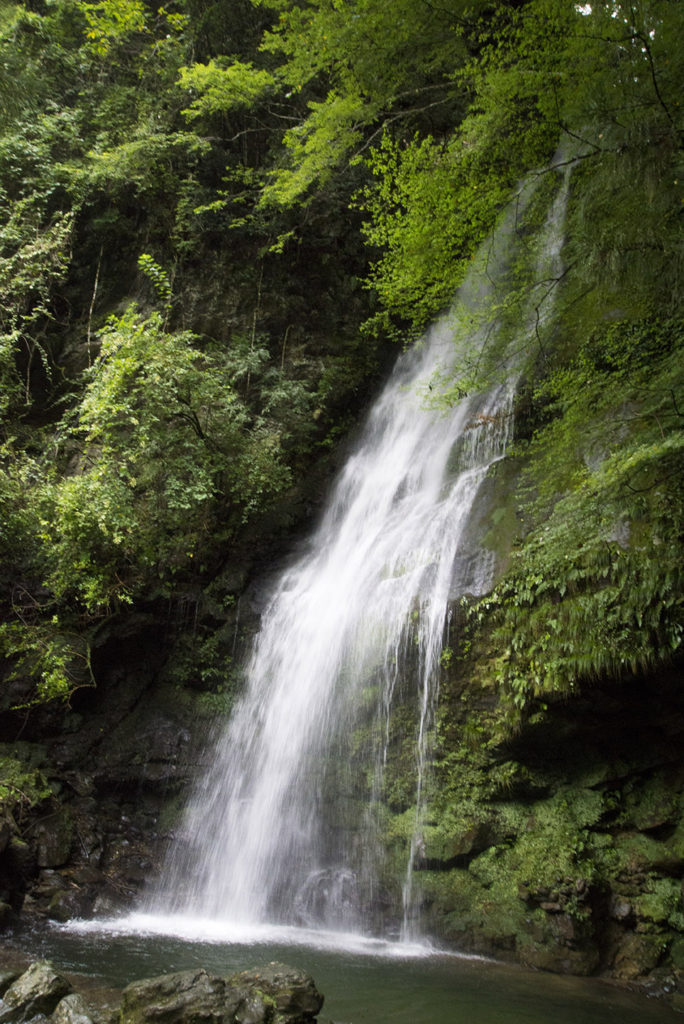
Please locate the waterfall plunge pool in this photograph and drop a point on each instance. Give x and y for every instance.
(364, 981)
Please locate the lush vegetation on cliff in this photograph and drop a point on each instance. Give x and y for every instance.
(191, 196)
(217, 220)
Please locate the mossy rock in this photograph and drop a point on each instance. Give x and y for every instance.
(661, 903)
(442, 848)
(677, 953)
(292, 992)
(638, 954)
(37, 991)
(191, 997)
(559, 960)
(639, 854)
(653, 804)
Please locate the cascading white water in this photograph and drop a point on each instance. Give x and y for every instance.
(284, 827)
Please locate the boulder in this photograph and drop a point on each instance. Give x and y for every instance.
(67, 904)
(190, 997)
(38, 990)
(296, 1000)
(248, 1006)
(73, 1009)
(274, 994)
(638, 955)
(21, 859)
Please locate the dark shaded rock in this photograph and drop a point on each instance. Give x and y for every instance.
(5, 835)
(37, 990)
(109, 901)
(620, 909)
(21, 858)
(6, 979)
(677, 955)
(73, 1009)
(70, 903)
(295, 996)
(81, 782)
(660, 983)
(52, 839)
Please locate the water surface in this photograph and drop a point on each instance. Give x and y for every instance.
(363, 982)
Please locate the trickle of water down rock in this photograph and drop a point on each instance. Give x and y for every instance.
(284, 828)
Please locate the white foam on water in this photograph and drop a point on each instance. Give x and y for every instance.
(212, 931)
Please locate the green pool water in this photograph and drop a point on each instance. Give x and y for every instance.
(363, 983)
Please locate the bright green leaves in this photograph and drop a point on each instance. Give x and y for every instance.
(605, 83)
(112, 21)
(382, 50)
(34, 256)
(427, 212)
(354, 65)
(165, 444)
(222, 89)
(158, 460)
(57, 658)
(318, 146)
(22, 785)
(158, 278)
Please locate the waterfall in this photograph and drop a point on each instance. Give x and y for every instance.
(286, 826)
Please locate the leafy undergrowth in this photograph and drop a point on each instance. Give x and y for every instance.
(595, 587)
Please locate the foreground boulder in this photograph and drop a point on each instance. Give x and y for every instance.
(193, 997)
(37, 990)
(274, 994)
(73, 1009)
(295, 998)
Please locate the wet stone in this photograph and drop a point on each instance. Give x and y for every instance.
(295, 996)
(73, 1009)
(37, 991)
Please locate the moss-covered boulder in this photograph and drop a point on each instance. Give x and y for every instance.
(37, 991)
(193, 997)
(274, 994)
(293, 993)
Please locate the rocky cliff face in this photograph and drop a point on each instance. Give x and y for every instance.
(106, 778)
(564, 844)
